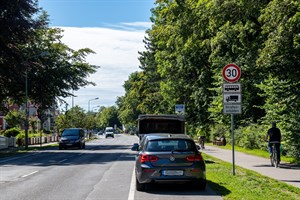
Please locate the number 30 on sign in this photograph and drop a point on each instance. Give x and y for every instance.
(231, 73)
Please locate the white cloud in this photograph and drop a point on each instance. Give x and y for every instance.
(116, 53)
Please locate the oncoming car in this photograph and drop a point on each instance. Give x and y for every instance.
(72, 137)
(168, 158)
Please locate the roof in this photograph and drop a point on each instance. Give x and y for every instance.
(161, 116)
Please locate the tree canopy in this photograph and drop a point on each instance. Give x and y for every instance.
(190, 42)
(31, 50)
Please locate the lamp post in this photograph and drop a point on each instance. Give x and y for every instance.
(45, 53)
(95, 107)
(90, 101)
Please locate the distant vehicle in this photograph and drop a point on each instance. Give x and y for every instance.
(109, 132)
(234, 98)
(168, 158)
(163, 123)
(100, 133)
(72, 137)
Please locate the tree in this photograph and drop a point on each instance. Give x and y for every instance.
(15, 119)
(108, 117)
(17, 25)
(50, 78)
(74, 117)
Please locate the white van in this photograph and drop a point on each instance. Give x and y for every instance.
(109, 132)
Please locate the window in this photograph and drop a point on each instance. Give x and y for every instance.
(170, 145)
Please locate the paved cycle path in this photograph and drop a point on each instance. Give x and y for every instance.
(286, 172)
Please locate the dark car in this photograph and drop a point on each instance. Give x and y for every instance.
(169, 158)
(72, 137)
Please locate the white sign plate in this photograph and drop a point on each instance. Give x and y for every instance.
(232, 88)
(232, 108)
(232, 98)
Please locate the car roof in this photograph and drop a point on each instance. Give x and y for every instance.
(72, 128)
(157, 136)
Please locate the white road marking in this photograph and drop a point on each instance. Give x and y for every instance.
(132, 186)
(30, 174)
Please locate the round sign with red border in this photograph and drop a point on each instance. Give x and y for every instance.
(231, 73)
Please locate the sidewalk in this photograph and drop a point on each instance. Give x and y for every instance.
(287, 173)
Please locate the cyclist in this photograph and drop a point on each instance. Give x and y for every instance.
(274, 135)
(201, 141)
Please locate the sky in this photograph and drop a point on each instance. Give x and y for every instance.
(115, 30)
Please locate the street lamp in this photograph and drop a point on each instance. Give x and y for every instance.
(90, 101)
(95, 107)
(45, 53)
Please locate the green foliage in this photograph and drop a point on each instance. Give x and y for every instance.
(251, 137)
(189, 44)
(75, 117)
(15, 119)
(108, 117)
(12, 132)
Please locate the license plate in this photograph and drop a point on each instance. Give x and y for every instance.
(172, 172)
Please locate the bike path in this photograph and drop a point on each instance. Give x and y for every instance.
(286, 172)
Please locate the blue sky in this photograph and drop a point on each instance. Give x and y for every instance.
(114, 29)
(96, 13)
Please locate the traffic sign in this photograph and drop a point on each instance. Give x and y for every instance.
(231, 73)
(232, 88)
(232, 109)
(179, 108)
(232, 98)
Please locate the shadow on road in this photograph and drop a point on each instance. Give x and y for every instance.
(93, 154)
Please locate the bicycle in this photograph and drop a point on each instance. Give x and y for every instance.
(274, 158)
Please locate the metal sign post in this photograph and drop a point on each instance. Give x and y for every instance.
(232, 135)
(232, 98)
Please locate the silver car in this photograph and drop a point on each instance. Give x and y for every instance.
(168, 158)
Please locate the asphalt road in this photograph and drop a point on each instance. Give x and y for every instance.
(104, 170)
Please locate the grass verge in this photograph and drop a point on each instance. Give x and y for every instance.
(246, 184)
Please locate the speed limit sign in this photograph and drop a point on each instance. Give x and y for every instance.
(231, 73)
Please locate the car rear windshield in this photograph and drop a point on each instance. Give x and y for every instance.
(161, 126)
(171, 145)
(70, 132)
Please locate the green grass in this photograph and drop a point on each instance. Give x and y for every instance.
(245, 184)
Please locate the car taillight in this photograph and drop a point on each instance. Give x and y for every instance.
(194, 158)
(148, 158)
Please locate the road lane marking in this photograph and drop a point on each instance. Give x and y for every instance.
(29, 174)
(132, 186)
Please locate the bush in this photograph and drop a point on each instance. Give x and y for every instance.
(218, 131)
(251, 137)
(12, 132)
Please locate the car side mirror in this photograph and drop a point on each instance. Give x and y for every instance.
(135, 147)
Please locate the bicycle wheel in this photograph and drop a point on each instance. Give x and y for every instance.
(272, 159)
(275, 159)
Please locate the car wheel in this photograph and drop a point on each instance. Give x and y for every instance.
(140, 186)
